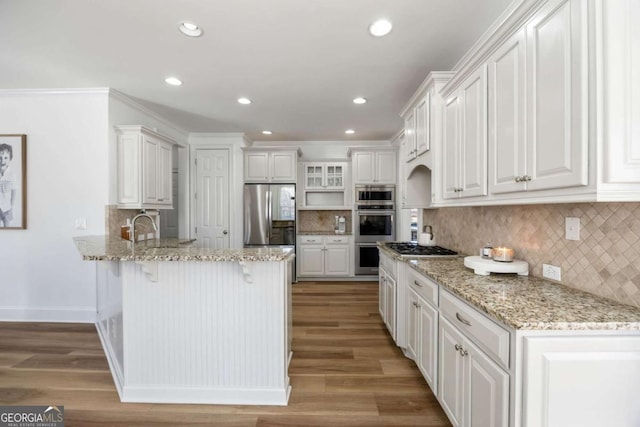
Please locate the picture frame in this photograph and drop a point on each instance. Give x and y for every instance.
(13, 182)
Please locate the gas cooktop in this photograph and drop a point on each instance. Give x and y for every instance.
(415, 250)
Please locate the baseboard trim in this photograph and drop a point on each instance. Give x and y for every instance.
(48, 314)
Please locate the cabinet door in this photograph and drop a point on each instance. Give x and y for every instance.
(427, 342)
(364, 167)
(451, 149)
(474, 135)
(450, 381)
(311, 260)
(423, 125)
(256, 167)
(334, 176)
(313, 175)
(382, 292)
(487, 388)
(385, 167)
(390, 306)
(165, 174)
(282, 166)
(413, 325)
(150, 147)
(557, 91)
(507, 143)
(410, 136)
(337, 260)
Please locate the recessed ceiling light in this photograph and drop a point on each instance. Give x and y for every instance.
(244, 101)
(380, 28)
(190, 29)
(173, 81)
(359, 100)
(266, 132)
(349, 131)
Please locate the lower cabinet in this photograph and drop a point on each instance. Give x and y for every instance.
(387, 300)
(473, 390)
(324, 256)
(422, 339)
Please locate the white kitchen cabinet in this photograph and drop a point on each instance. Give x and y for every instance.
(324, 176)
(382, 294)
(374, 167)
(390, 306)
(270, 165)
(465, 138)
(417, 129)
(321, 256)
(473, 390)
(144, 168)
(422, 337)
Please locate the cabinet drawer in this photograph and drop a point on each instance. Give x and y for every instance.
(423, 286)
(490, 336)
(336, 239)
(311, 239)
(388, 264)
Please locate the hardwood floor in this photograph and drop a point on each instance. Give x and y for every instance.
(346, 371)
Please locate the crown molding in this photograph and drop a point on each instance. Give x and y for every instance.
(56, 91)
(432, 79)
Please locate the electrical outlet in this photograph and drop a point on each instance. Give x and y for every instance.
(572, 228)
(81, 223)
(551, 272)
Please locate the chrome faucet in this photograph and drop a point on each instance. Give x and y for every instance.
(143, 214)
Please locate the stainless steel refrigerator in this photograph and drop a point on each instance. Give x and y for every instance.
(270, 215)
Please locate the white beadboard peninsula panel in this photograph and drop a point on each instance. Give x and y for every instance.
(202, 334)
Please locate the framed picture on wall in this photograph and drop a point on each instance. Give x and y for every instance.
(13, 182)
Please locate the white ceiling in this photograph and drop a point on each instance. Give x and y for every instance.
(300, 61)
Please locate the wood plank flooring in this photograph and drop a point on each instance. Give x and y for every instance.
(346, 371)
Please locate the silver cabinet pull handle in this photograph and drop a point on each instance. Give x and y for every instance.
(415, 282)
(458, 347)
(462, 319)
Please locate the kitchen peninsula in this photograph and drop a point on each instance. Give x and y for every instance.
(181, 324)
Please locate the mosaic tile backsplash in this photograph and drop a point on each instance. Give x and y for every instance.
(605, 261)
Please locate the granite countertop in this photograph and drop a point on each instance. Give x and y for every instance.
(323, 233)
(527, 303)
(105, 248)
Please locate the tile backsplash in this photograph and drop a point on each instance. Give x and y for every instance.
(605, 261)
(321, 220)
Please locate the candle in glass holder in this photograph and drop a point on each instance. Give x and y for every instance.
(502, 254)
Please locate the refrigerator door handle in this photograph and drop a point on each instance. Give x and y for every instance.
(269, 221)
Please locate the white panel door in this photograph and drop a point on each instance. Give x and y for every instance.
(283, 166)
(150, 170)
(390, 306)
(587, 381)
(311, 260)
(487, 387)
(413, 325)
(410, 136)
(474, 135)
(382, 292)
(212, 198)
(428, 343)
(364, 167)
(557, 95)
(451, 149)
(165, 171)
(423, 125)
(451, 371)
(507, 143)
(337, 261)
(385, 168)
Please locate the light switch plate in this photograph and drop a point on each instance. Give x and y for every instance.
(572, 228)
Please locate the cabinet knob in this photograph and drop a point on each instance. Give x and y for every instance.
(518, 178)
(225, 232)
(458, 347)
(527, 178)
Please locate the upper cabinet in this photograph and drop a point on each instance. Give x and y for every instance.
(324, 175)
(144, 168)
(270, 165)
(374, 166)
(465, 138)
(543, 109)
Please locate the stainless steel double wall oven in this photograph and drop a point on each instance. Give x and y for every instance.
(375, 212)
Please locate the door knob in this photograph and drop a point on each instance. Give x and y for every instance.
(225, 232)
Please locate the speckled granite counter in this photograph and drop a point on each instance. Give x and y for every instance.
(527, 303)
(104, 248)
(322, 233)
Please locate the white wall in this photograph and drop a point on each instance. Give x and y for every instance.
(42, 276)
(322, 150)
